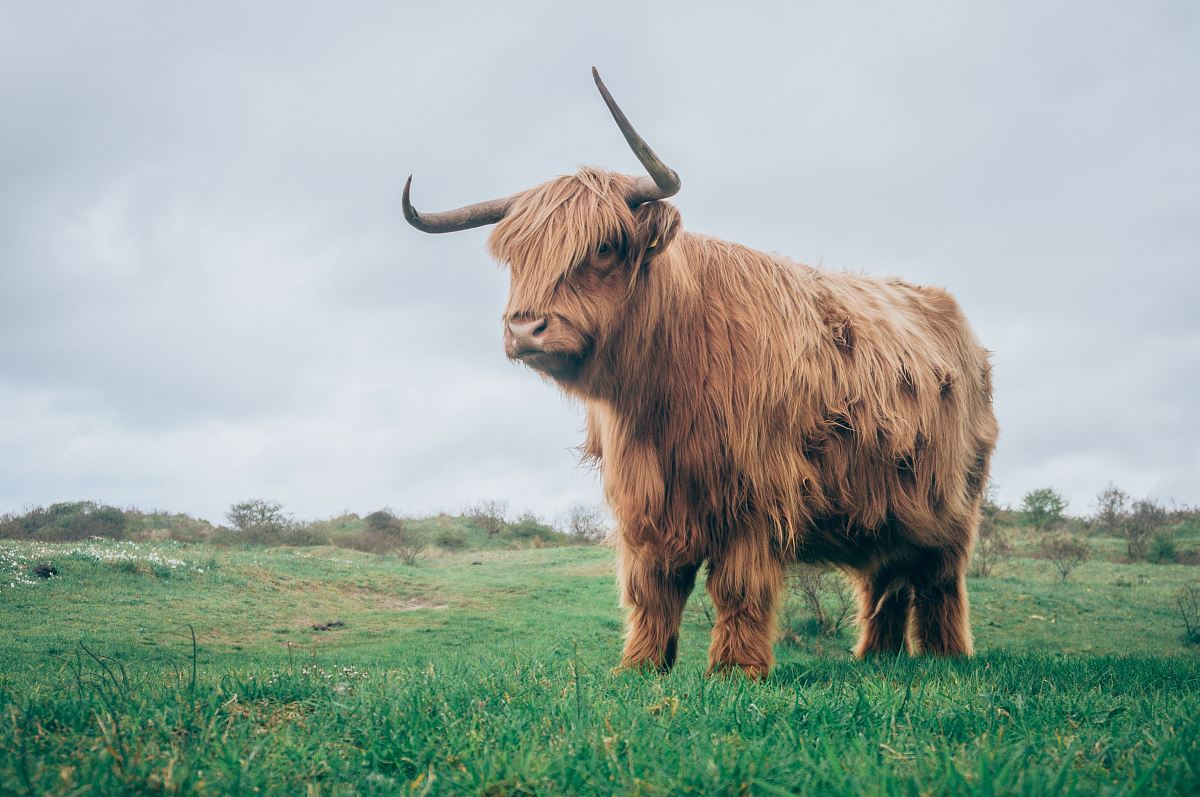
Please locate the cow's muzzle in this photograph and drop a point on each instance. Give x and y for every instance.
(525, 336)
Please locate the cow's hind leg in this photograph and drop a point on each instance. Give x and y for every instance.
(941, 616)
(884, 605)
(655, 594)
(744, 583)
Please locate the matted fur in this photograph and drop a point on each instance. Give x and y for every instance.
(748, 411)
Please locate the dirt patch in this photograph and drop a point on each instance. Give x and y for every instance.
(376, 599)
(414, 604)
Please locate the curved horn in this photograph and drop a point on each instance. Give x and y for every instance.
(463, 218)
(663, 181)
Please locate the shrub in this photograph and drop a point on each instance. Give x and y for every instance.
(1162, 549)
(1186, 518)
(1043, 508)
(1144, 521)
(1187, 604)
(259, 516)
(586, 522)
(259, 535)
(385, 533)
(451, 541)
(991, 548)
(260, 522)
(488, 516)
(159, 525)
(1110, 510)
(302, 535)
(11, 527)
(990, 506)
(825, 595)
(1067, 553)
(68, 521)
(529, 528)
(98, 521)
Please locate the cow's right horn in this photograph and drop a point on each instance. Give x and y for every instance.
(663, 181)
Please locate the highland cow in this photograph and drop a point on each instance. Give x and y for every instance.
(747, 412)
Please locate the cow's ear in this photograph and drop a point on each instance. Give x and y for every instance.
(655, 226)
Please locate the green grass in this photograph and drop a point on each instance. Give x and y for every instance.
(490, 672)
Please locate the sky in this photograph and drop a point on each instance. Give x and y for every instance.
(208, 292)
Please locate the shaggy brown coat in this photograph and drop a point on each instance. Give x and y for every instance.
(748, 411)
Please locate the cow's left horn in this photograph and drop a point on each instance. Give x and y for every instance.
(463, 218)
(663, 181)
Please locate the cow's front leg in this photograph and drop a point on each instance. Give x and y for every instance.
(655, 593)
(744, 582)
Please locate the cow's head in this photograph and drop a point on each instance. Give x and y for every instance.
(575, 247)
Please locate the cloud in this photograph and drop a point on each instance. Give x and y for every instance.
(207, 292)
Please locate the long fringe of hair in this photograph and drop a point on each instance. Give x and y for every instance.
(736, 392)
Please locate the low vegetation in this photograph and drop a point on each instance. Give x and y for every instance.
(259, 522)
(195, 662)
(1187, 600)
(1066, 553)
(817, 601)
(1044, 509)
(993, 545)
(1141, 526)
(387, 534)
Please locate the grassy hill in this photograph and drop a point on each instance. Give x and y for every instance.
(322, 670)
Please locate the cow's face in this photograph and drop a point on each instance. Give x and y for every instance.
(575, 267)
(576, 247)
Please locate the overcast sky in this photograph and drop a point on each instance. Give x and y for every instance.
(208, 293)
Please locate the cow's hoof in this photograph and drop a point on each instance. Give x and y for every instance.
(645, 667)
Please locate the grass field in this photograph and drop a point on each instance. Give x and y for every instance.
(490, 672)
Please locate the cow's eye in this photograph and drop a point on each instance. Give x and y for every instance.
(603, 249)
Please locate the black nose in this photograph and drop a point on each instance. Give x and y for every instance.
(527, 333)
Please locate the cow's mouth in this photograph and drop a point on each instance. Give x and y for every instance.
(563, 366)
